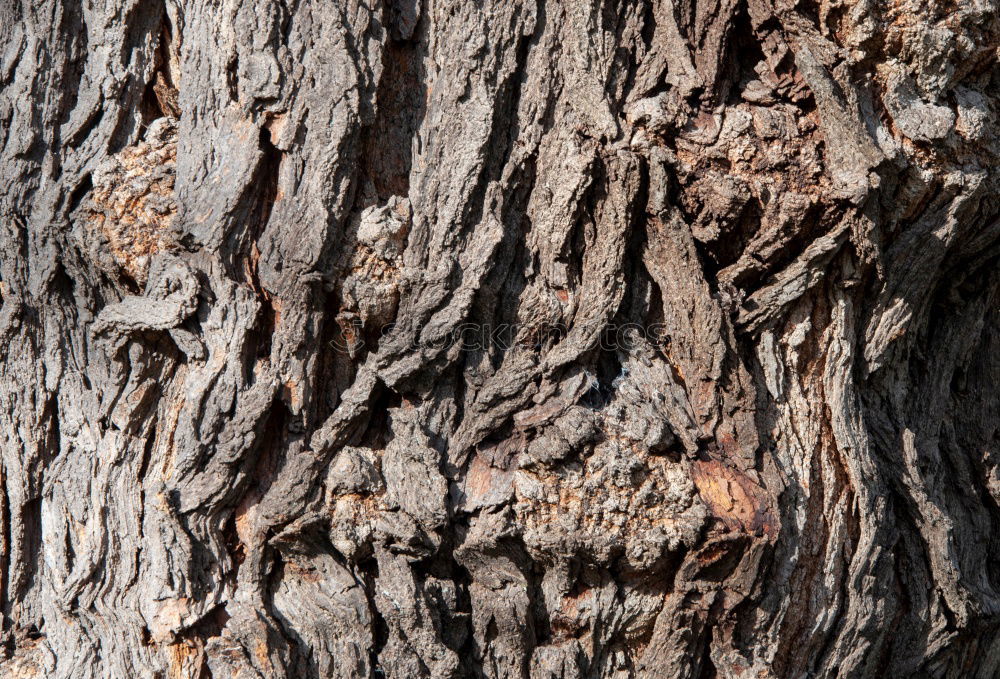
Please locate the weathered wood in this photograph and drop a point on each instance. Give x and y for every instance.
(507, 338)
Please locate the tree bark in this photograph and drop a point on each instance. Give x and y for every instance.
(506, 338)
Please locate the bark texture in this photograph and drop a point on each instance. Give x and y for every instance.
(499, 338)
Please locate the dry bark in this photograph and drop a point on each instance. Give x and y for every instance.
(506, 338)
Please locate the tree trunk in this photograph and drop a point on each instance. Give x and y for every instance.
(506, 338)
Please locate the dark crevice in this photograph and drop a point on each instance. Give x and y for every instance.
(234, 547)
(243, 249)
(367, 573)
(376, 432)
(149, 105)
(233, 77)
(53, 435)
(264, 328)
(5, 551)
(160, 96)
(31, 547)
(270, 451)
(744, 54)
(466, 650)
(265, 185)
(707, 668)
(648, 24)
(93, 118)
(70, 552)
(212, 624)
(452, 624)
(84, 187)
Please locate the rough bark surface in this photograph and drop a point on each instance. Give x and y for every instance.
(499, 338)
